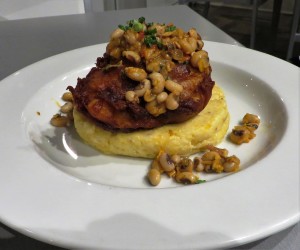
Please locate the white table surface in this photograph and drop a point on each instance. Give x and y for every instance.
(23, 42)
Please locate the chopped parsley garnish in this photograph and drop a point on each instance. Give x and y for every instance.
(170, 28)
(150, 38)
(123, 27)
(141, 19)
(135, 24)
(151, 32)
(200, 181)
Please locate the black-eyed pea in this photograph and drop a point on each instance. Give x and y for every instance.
(207, 168)
(172, 102)
(185, 46)
(223, 152)
(154, 176)
(117, 33)
(196, 56)
(130, 37)
(193, 43)
(67, 107)
(173, 87)
(217, 167)
(164, 72)
(67, 97)
(136, 74)
(193, 33)
(161, 97)
(153, 66)
(156, 165)
(177, 54)
(166, 162)
(131, 96)
(132, 56)
(186, 178)
(116, 52)
(212, 162)
(60, 121)
(155, 108)
(176, 158)
(179, 33)
(171, 173)
(241, 134)
(231, 164)
(251, 126)
(200, 44)
(251, 118)
(167, 56)
(210, 156)
(144, 85)
(149, 96)
(149, 53)
(198, 166)
(184, 165)
(203, 65)
(177, 44)
(169, 65)
(158, 82)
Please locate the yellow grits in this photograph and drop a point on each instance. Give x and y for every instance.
(208, 127)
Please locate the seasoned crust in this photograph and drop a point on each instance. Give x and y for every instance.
(101, 96)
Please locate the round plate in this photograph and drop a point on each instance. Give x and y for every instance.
(55, 188)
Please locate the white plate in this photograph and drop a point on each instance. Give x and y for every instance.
(59, 190)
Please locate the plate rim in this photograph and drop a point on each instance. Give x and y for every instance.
(32, 234)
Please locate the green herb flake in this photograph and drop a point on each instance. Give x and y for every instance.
(141, 19)
(170, 28)
(200, 181)
(150, 40)
(123, 27)
(130, 23)
(137, 26)
(151, 32)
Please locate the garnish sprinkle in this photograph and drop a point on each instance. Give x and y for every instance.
(200, 181)
(150, 38)
(170, 28)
